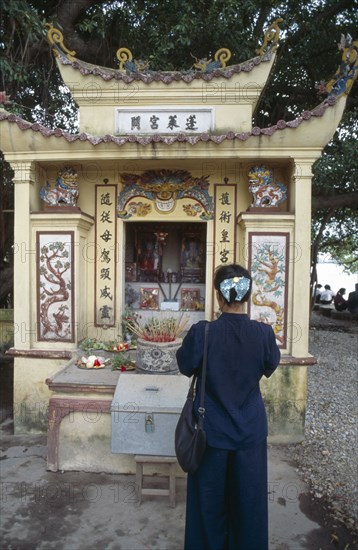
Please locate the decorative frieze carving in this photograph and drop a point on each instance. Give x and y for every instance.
(268, 264)
(55, 284)
(163, 188)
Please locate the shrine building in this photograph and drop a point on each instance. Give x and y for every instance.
(166, 180)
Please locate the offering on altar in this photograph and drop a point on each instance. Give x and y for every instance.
(121, 346)
(92, 362)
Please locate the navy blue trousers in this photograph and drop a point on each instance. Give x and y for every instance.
(227, 501)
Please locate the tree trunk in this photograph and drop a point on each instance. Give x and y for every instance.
(348, 200)
(6, 285)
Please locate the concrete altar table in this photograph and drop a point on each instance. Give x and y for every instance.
(79, 416)
(79, 422)
(79, 396)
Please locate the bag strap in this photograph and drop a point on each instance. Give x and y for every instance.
(201, 409)
(192, 386)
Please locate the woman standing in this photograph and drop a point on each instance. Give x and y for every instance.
(227, 495)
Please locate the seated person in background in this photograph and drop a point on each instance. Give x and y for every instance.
(318, 294)
(340, 303)
(327, 295)
(352, 304)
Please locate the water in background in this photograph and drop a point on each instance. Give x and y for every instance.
(330, 273)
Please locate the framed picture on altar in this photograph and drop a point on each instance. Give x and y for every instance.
(131, 272)
(149, 298)
(191, 252)
(192, 259)
(190, 299)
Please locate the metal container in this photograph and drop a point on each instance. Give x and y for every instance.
(145, 411)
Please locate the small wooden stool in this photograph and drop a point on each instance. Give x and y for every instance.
(141, 461)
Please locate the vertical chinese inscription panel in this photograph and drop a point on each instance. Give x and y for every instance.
(106, 255)
(224, 248)
(225, 224)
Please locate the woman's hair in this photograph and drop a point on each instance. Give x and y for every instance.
(230, 271)
(342, 291)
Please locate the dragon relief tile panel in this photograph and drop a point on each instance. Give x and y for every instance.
(268, 264)
(55, 283)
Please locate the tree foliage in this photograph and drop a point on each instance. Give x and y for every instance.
(169, 33)
(335, 197)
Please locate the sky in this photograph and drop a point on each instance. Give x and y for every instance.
(329, 273)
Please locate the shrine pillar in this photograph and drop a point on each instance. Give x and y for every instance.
(301, 192)
(24, 193)
(276, 251)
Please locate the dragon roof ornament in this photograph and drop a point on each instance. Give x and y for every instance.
(221, 57)
(271, 38)
(344, 77)
(55, 38)
(127, 63)
(130, 65)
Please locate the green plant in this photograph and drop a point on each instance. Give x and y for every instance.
(88, 344)
(129, 318)
(122, 362)
(156, 329)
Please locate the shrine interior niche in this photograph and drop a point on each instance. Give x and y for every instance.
(165, 266)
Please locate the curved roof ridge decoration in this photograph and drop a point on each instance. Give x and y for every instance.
(169, 140)
(164, 76)
(130, 70)
(344, 77)
(130, 65)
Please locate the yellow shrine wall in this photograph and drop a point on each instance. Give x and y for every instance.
(42, 220)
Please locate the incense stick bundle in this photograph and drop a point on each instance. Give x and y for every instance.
(160, 329)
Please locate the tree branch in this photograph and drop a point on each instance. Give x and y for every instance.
(319, 18)
(69, 11)
(264, 11)
(315, 247)
(348, 200)
(67, 14)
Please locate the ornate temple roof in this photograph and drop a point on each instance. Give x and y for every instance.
(318, 111)
(337, 89)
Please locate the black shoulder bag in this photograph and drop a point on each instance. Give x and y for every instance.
(190, 437)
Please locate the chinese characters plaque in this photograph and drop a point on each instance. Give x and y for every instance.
(106, 241)
(225, 222)
(153, 120)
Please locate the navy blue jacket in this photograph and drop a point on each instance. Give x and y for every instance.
(240, 352)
